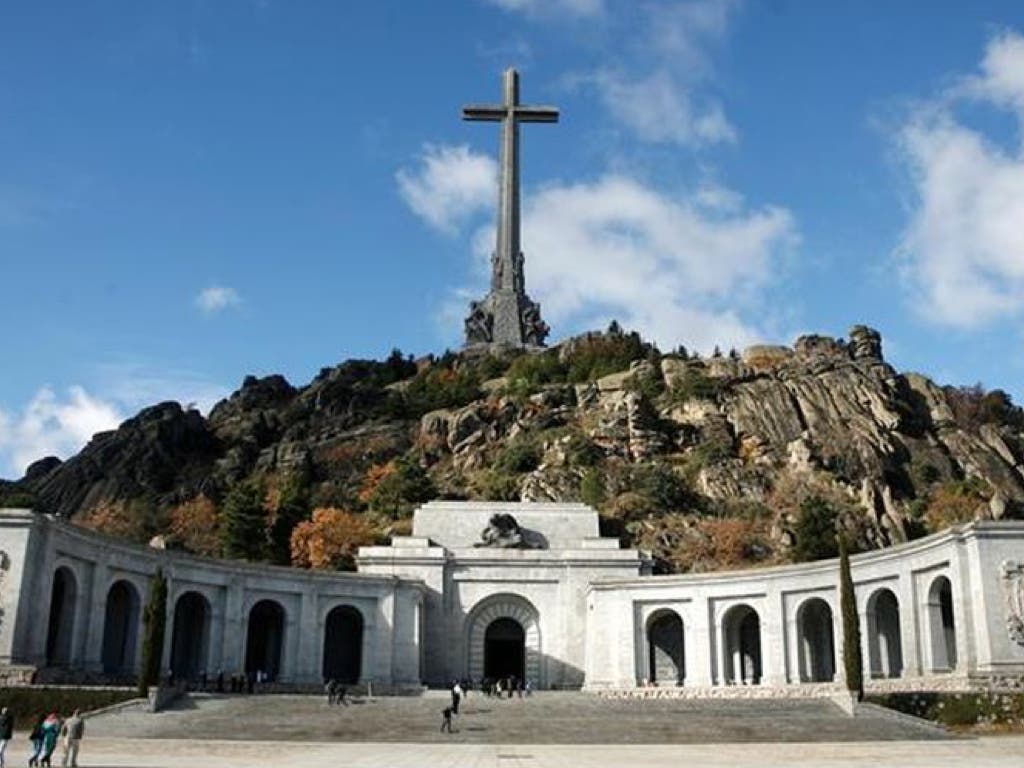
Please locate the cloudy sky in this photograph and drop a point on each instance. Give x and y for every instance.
(192, 192)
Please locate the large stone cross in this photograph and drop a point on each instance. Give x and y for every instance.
(508, 314)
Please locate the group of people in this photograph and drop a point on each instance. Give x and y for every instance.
(492, 687)
(47, 732)
(248, 682)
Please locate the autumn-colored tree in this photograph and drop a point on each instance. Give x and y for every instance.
(194, 525)
(330, 539)
(953, 503)
(135, 520)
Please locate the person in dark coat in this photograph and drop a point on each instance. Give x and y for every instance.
(6, 732)
(36, 740)
(446, 720)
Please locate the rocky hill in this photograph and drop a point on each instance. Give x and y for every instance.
(717, 462)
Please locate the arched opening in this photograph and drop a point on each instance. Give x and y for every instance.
(189, 639)
(505, 649)
(941, 626)
(343, 645)
(265, 638)
(885, 647)
(666, 655)
(485, 615)
(120, 628)
(816, 642)
(60, 629)
(741, 630)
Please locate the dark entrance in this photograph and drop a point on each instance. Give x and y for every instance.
(343, 645)
(62, 617)
(504, 649)
(188, 642)
(120, 627)
(264, 638)
(666, 655)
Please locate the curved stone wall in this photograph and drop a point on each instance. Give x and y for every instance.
(71, 601)
(934, 613)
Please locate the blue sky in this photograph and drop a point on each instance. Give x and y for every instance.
(191, 192)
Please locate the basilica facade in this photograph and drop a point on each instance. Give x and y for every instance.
(532, 590)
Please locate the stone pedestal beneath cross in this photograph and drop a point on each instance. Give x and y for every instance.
(507, 316)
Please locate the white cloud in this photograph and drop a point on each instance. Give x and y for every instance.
(451, 184)
(673, 267)
(659, 109)
(962, 252)
(216, 298)
(53, 426)
(572, 8)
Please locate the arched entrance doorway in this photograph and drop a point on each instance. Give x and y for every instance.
(666, 655)
(343, 645)
(505, 649)
(816, 642)
(741, 632)
(189, 638)
(265, 638)
(941, 627)
(61, 626)
(520, 613)
(885, 647)
(120, 628)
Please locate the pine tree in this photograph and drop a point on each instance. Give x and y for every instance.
(293, 508)
(244, 522)
(154, 618)
(852, 660)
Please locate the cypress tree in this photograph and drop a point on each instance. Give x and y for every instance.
(154, 618)
(852, 660)
(244, 522)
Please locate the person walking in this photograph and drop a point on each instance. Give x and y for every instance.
(342, 694)
(456, 697)
(329, 688)
(6, 732)
(446, 720)
(72, 731)
(51, 730)
(36, 740)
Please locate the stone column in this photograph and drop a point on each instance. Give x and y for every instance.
(700, 652)
(228, 629)
(909, 624)
(309, 640)
(95, 618)
(773, 639)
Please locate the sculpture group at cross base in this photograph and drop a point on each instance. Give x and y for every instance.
(479, 324)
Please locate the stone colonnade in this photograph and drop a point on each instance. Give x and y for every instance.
(79, 608)
(931, 615)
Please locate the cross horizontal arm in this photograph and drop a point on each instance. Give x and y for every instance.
(536, 114)
(492, 114)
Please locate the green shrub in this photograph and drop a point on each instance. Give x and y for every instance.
(529, 372)
(581, 451)
(612, 352)
(27, 704)
(815, 531)
(592, 491)
(498, 486)
(519, 456)
(661, 485)
(402, 489)
(695, 385)
(985, 709)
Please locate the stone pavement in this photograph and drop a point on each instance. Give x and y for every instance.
(544, 718)
(991, 752)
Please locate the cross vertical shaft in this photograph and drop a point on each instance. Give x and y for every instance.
(507, 315)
